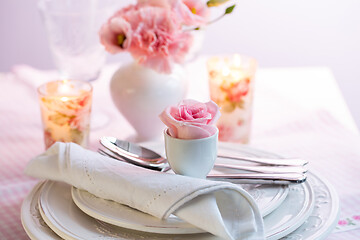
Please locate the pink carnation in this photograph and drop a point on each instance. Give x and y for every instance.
(116, 26)
(153, 36)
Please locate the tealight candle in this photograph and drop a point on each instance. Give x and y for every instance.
(65, 110)
(231, 82)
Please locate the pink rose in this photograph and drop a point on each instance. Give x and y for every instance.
(191, 119)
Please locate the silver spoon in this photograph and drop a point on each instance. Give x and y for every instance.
(248, 178)
(139, 155)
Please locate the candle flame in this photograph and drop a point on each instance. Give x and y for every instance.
(64, 87)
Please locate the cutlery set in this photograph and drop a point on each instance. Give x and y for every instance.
(266, 170)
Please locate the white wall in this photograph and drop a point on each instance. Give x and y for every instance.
(279, 33)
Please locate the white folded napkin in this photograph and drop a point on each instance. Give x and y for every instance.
(220, 208)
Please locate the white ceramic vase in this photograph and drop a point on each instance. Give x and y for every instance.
(141, 94)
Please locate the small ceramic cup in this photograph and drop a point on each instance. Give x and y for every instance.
(191, 157)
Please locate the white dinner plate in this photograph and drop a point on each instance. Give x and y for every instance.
(71, 223)
(320, 223)
(34, 225)
(63, 217)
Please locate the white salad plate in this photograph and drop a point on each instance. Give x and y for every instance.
(267, 197)
(71, 223)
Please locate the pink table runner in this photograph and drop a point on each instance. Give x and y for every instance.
(333, 151)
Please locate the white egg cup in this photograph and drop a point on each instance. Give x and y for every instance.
(191, 157)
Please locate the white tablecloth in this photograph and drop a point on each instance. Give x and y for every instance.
(297, 112)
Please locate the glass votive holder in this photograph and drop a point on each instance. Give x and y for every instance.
(65, 111)
(231, 82)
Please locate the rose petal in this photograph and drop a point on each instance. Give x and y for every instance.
(195, 131)
(214, 110)
(169, 121)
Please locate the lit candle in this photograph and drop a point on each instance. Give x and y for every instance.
(65, 110)
(231, 87)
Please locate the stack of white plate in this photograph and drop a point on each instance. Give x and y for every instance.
(55, 210)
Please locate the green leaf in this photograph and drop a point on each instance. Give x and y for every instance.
(230, 9)
(215, 3)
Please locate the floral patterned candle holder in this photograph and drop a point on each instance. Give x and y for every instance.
(65, 109)
(231, 81)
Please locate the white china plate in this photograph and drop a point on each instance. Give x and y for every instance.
(71, 223)
(129, 218)
(63, 217)
(320, 223)
(34, 225)
(267, 197)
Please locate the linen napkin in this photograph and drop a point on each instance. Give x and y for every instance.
(221, 208)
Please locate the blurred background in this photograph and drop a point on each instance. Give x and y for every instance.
(278, 33)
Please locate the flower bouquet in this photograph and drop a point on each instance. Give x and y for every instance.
(159, 35)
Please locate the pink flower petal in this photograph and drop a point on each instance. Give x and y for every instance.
(196, 131)
(191, 119)
(214, 110)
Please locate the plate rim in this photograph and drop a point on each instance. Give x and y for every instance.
(151, 229)
(304, 213)
(26, 217)
(336, 207)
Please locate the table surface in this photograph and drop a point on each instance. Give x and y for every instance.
(291, 104)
